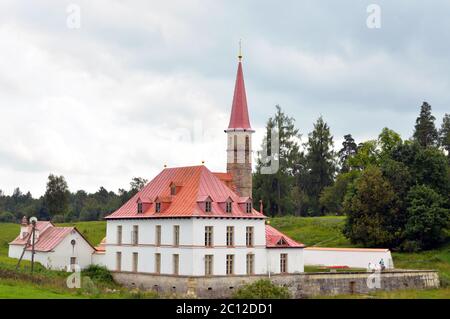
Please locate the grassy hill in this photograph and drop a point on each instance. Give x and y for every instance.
(320, 231)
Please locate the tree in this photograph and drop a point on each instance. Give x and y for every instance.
(349, 149)
(428, 218)
(425, 131)
(321, 163)
(366, 155)
(387, 140)
(371, 208)
(444, 134)
(427, 166)
(332, 196)
(57, 195)
(275, 189)
(136, 184)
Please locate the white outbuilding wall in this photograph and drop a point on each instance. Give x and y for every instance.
(350, 257)
(294, 260)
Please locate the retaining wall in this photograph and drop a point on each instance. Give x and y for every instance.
(300, 285)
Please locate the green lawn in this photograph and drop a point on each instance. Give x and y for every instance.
(93, 231)
(24, 290)
(313, 231)
(320, 231)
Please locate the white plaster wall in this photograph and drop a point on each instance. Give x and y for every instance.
(99, 259)
(350, 258)
(294, 258)
(191, 250)
(16, 250)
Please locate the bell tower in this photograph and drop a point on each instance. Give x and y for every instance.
(239, 138)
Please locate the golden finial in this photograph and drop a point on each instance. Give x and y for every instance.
(240, 50)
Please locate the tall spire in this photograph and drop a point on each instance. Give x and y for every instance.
(239, 112)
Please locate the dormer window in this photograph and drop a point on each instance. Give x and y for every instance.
(248, 208)
(173, 189)
(158, 207)
(139, 208)
(208, 206)
(228, 207)
(281, 242)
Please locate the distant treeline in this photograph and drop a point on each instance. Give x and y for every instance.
(60, 205)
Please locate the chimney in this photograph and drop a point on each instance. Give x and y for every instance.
(24, 229)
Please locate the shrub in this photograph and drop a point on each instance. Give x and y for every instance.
(58, 219)
(99, 274)
(7, 217)
(428, 219)
(262, 289)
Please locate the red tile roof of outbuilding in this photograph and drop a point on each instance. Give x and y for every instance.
(239, 118)
(198, 182)
(49, 236)
(276, 239)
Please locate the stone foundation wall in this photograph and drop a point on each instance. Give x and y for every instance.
(300, 285)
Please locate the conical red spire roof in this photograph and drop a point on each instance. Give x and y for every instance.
(239, 113)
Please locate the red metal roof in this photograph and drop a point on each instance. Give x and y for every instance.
(49, 236)
(239, 112)
(198, 183)
(276, 239)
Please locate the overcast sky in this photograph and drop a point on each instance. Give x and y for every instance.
(145, 83)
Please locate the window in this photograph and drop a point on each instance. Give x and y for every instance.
(119, 235)
(157, 263)
(176, 235)
(250, 264)
(158, 235)
(135, 235)
(135, 262)
(235, 149)
(118, 261)
(249, 236)
(176, 264)
(73, 262)
(230, 236)
(230, 264)
(208, 265)
(139, 208)
(248, 207)
(173, 190)
(208, 236)
(283, 263)
(208, 206)
(228, 207)
(247, 149)
(158, 207)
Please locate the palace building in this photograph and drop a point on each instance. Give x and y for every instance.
(190, 221)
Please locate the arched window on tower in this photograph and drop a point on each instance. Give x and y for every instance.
(235, 149)
(247, 149)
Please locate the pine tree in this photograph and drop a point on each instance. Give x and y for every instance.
(444, 134)
(349, 148)
(321, 163)
(275, 190)
(425, 131)
(57, 195)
